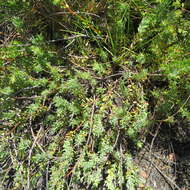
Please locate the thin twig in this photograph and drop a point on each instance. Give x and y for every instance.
(50, 41)
(26, 98)
(91, 120)
(115, 144)
(188, 98)
(47, 171)
(169, 180)
(30, 154)
(69, 44)
(121, 161)
(73, 170)
(155, 135)
(113, 75)
(78, 12)
(174, 161)
(150, 150)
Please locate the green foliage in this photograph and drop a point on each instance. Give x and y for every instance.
(77, 84)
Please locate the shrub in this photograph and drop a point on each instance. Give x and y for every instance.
(78, 84)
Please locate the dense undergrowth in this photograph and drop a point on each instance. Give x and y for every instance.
(82, 83)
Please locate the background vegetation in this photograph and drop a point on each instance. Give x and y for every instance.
(81, 85)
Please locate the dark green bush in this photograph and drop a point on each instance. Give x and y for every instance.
(78, 85)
